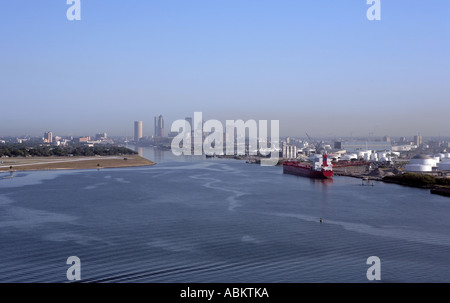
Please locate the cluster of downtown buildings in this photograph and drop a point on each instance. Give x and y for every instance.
(158, 130)
(51, 139)
(101, 138)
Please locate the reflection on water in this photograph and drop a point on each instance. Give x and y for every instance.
(158, 155)
(7, 175)
(151, 153)
(139, 150)
(324, 182)
(163, 156)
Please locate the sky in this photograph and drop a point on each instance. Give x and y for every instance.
(317, 66)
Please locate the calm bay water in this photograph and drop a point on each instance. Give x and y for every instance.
(198, 220)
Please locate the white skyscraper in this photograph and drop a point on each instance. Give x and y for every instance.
(137, 130)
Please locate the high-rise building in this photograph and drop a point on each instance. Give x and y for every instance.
(48, 137)
(137, 130)
(101, 136)
(159, 126)
(418, 140)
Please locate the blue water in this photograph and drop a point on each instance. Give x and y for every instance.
(198, 220)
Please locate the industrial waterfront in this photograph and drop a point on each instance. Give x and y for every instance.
(189, 219)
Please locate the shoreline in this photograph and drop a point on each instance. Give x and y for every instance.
(434, 189)
(71, 163)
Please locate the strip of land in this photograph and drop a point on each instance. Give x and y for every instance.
(57, 163)
(436, 185)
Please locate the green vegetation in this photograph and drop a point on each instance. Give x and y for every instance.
(39, 150)
(418, 180)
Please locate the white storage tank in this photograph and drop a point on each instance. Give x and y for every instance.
(382, 155)
(444, 165)
(362, 153)
(421, 163)
(418, 168)
(422, 160)
(349, 157)
(386, 159)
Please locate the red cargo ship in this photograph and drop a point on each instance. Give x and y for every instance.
(320, 169)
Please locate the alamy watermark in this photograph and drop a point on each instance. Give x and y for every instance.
(373, 272)
(74, 11)
(211, 138)
(73, 273)
(374, 11)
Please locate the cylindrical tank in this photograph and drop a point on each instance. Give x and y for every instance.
(444, 166)
(382, 155)
(427, 161)
(349, 157)
(418, 168)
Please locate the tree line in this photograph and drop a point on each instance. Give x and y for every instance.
(20, 150)
(420, 180)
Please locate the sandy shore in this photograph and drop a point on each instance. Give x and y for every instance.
(52, 163)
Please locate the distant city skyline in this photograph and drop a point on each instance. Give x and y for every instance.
(137, 131)
(417, 139)
(316, 66)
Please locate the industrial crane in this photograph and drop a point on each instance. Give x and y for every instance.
(315, 145)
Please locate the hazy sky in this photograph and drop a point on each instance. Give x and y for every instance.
(316, 65)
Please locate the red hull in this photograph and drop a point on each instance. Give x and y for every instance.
(306, 171)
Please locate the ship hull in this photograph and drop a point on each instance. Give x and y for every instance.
(307, 172)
